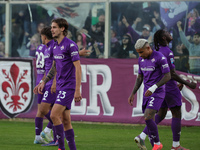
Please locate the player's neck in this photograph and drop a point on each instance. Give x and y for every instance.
(60, 38)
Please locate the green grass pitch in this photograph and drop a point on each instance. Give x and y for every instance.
(19, 135)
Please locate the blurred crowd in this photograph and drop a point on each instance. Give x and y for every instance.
(129, 22)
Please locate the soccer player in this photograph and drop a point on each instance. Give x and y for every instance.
(67, 65)
(173, 96)
(154, 72)
(38, 120)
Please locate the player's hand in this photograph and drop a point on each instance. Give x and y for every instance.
(180, 86)
(84, 52)
(148, 93)
(41, 87)
(192, 85)
(35, 90)
(130, 100)
(77, 96)
(53, 88)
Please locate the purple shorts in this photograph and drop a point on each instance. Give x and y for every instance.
(48, 97)
(39, 98)
(152, 102)
(65, 98)
(172, 99)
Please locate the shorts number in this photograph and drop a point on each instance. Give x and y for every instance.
(151, 101)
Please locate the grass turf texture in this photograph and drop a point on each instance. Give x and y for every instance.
(19, 135)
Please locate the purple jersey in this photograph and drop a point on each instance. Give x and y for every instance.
(48, 57)
(65, 54)
(171, 84)
(40, 62)
(153, 69)
(173, 95)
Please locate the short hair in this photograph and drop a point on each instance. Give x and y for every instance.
(47, 32)
(62, 23)
(140, 43)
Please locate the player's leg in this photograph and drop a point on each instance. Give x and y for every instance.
(38, 127)
(176, 127)
(56, 113)
(69, 132)
(45, 110)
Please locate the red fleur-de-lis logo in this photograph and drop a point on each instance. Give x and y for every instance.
(15, 83)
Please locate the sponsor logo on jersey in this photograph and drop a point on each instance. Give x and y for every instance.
(149, 68)
(46, 56)
(74, 53)
(59, 56)
(165, 66)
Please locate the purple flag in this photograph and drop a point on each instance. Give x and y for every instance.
(171, 12)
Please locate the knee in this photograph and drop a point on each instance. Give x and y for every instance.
(53, 117)
(176, 112)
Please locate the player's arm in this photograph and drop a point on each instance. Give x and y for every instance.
(165, 79)
(35, 90)
(77, 94)
(51, 73)
(137, 85)
(53, 86)
(176, 77)
(48, 77)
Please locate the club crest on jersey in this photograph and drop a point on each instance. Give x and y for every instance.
(62, 47)
(153, 60)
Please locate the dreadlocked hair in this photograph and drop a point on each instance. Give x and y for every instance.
(158, 39)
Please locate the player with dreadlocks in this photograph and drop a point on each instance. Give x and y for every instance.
(172, 97)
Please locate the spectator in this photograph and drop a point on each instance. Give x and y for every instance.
(192, 16)
(115, 45)
(69, 35)
(194, 49)
(127, 49)
(182, 62)
(145, 34)
(96, 49)
(35, 40)
(14, 52)
(2, 49)
(81, 40)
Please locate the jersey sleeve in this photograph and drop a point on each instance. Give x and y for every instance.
(139, 67)
(74, 52)
(163, 64)
(170, 60)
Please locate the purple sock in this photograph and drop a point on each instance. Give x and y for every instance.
(38, 125)
(158, 119)
(176, 128)
(54, 134)
(153, 130)
(50, 125)
(69, 134)
(60, 136)
(48, 117)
